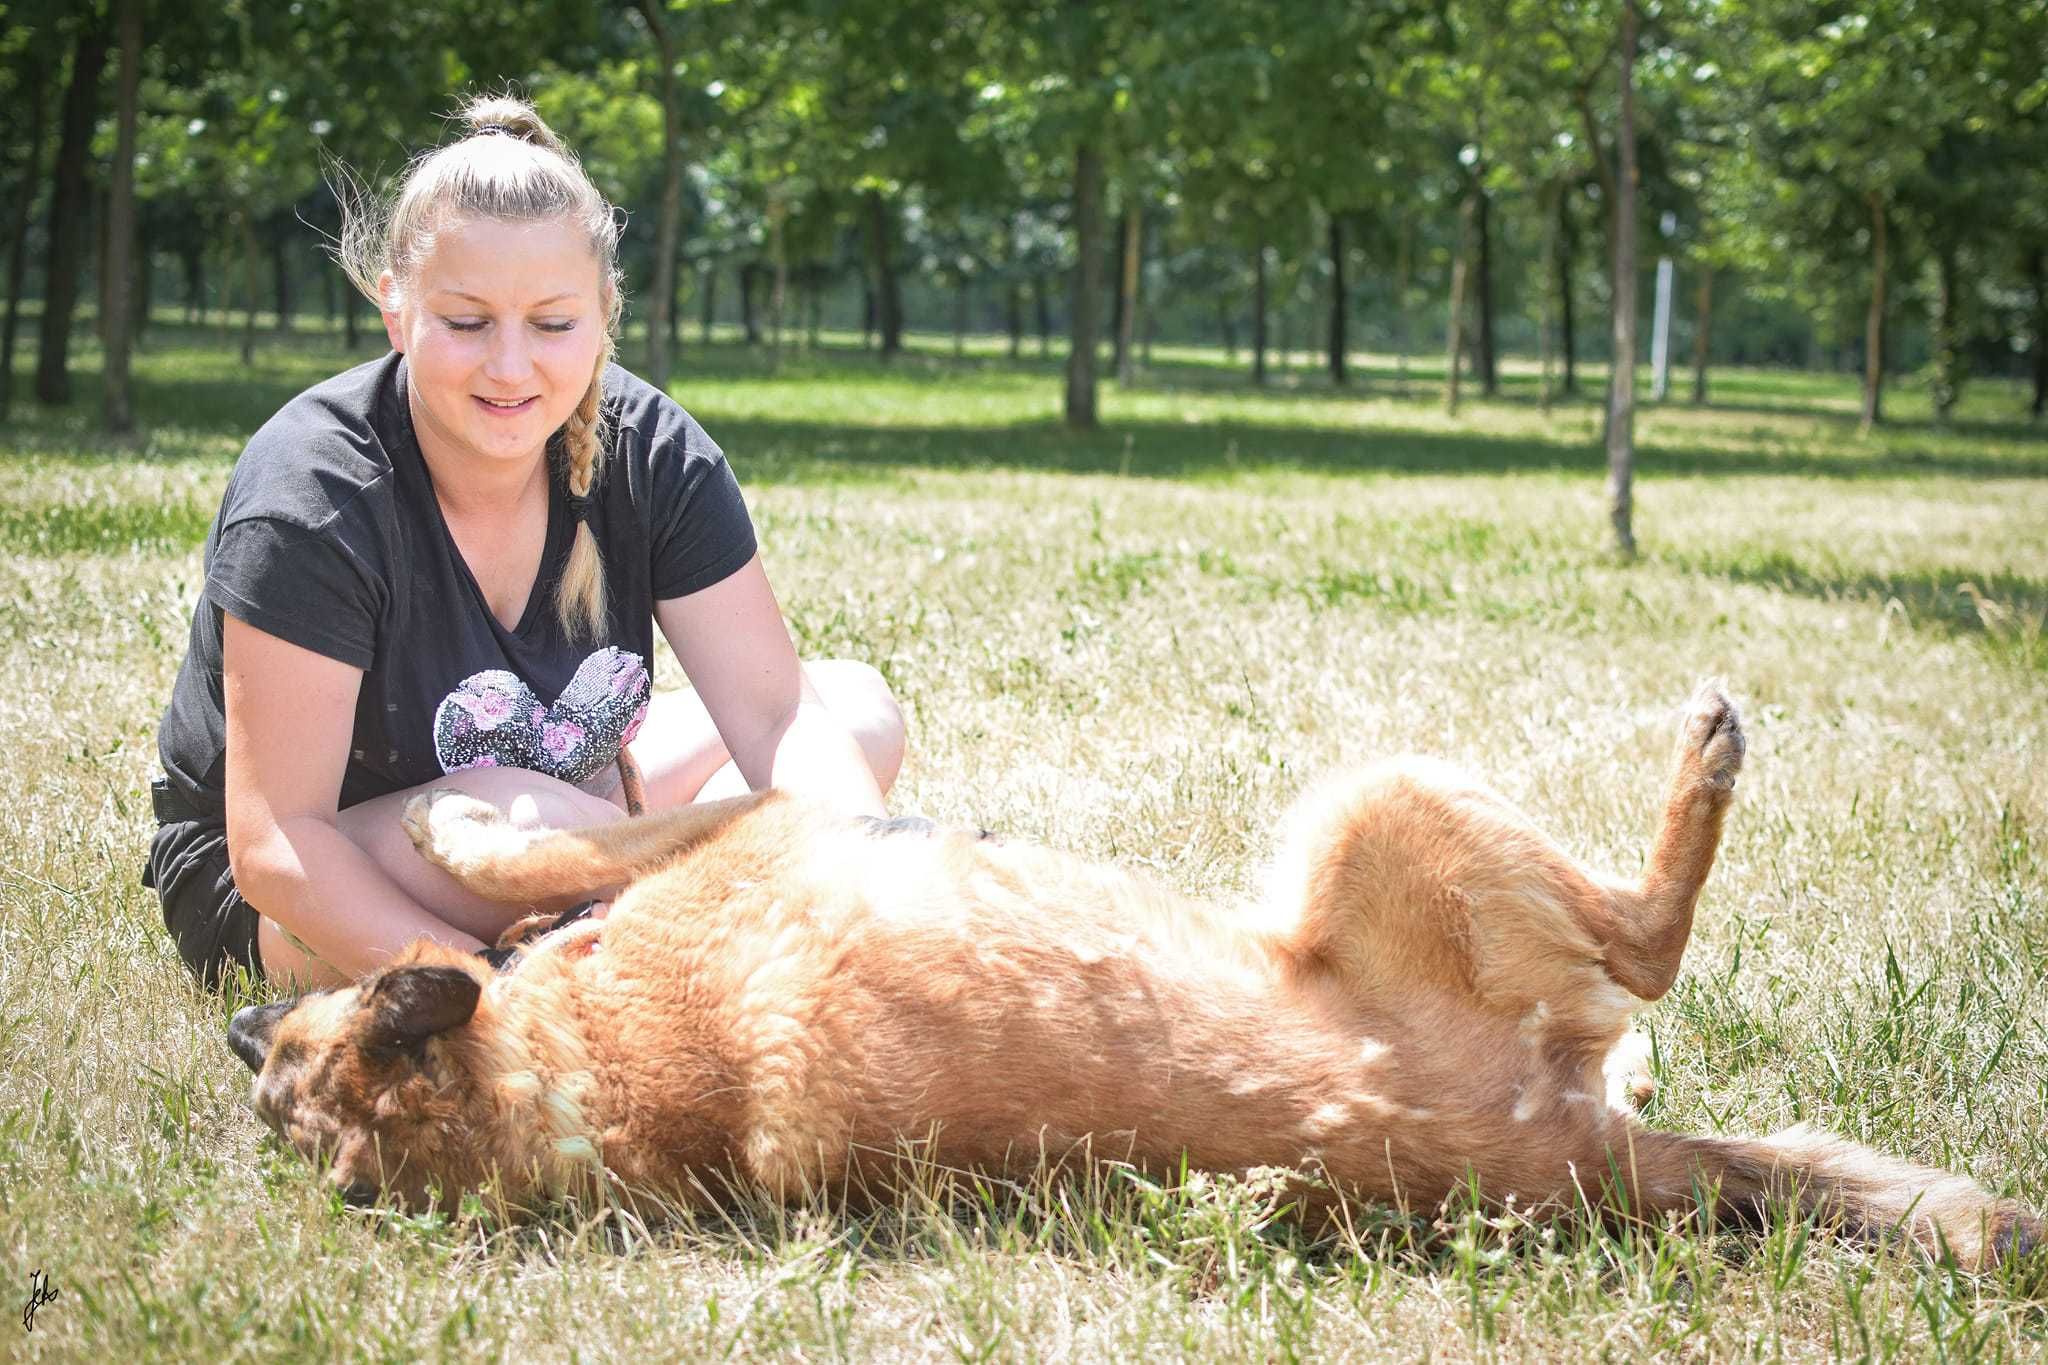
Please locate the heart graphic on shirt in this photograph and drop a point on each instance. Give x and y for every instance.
(493, 719)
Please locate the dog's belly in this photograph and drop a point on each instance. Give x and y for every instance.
(1008, 1004)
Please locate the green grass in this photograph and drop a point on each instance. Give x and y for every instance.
(1140, 644)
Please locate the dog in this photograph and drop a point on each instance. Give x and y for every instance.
(1432, 994)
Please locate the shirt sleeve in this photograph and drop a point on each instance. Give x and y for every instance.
(701, 533)
(302, 586)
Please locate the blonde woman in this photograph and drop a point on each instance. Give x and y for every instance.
(445, 568)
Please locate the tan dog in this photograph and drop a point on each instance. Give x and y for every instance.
(1433, 988)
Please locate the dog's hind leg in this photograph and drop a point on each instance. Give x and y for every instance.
(1645, 927)
(473, 842)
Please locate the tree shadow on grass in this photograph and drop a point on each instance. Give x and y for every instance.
(221, 401)
(2007, 611)
(784, 451)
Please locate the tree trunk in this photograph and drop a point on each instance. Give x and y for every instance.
(281, 270)
(17, 240)
(145, 282)
(1403, 267)
(1116, 300)
(669, 223)
(2037, 271)
(1567, 255)
(252, 269)
(1259, 313)
(888, 292)
(708, 318)
(1947, 334)
(1489, 375)
(1013, 317)
(1340, 345)
(1127, 319)
(1454, 341)
(1227, 327)
(961, 303)
(1080, 408)
(778, 288)
(1621, 411)
(195, 284)
(1873, 322)
(117, 407)
(97, 216)
(67, 207)
(750, 320)
(1546, 319)
(675, 312)
(1042, 308)
(1702, 334)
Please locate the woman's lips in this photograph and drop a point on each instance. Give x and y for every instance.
(500, 408)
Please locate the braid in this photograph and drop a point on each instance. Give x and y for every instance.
(579, 597)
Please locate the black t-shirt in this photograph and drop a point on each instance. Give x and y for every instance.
(330, 537)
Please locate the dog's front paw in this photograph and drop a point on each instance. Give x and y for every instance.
(452, 829)
(1710, 742)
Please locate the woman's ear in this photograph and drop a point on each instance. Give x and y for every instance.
(387, 304)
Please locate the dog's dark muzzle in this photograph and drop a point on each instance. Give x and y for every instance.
(250, 1030)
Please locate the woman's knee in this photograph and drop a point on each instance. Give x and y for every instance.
(859, 696)
(533, 800)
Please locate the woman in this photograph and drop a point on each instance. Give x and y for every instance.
(445, 568)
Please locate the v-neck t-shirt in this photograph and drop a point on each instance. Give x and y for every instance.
(330, 537)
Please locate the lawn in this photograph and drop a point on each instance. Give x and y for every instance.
(1140, 645)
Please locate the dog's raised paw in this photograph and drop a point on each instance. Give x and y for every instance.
(443, 821)
(1711, 736)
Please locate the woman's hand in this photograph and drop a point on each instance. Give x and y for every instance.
(733, 644)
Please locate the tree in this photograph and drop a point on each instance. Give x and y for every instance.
(1621, 410)
(67, 209)
(118, 410)
(28, 85)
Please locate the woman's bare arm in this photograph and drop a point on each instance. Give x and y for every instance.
(290, 713)
(731, 640)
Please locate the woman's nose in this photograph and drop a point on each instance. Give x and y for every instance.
(509, 358)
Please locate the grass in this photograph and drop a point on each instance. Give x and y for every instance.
(1140, 644)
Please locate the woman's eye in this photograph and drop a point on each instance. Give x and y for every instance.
(463, 325)
(556, 326)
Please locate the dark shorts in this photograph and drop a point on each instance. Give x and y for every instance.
(214, 928)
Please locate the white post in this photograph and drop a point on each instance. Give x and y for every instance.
(1660, 331)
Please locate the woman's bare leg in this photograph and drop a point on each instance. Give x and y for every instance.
(682, 758)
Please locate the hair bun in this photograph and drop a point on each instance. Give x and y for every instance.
(503, 115)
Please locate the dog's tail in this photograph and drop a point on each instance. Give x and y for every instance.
(1866, 1193)
(476, 845)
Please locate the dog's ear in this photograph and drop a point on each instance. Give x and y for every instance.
(408, 1005)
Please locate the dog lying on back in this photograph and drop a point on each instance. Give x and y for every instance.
(1432, 989)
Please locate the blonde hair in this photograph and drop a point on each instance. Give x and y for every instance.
(510, 167)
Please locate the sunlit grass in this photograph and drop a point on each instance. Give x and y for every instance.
(1140, 644)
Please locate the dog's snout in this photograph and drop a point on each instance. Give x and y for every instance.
(250, 1030)
(359, 1194)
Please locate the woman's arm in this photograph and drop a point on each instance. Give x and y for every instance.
(290, 714)
(731, 640)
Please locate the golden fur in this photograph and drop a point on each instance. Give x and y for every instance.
(1431, 990)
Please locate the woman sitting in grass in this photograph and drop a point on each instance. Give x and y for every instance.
(444, 568)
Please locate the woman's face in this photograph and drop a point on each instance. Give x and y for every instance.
(500, 332)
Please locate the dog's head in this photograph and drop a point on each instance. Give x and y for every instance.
(371, 1082)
